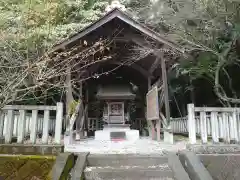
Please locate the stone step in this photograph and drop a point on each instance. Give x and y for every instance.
(129, 172)
(116, 160)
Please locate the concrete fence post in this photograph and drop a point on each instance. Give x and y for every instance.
(191, 124)
(58, 125)
(9, 126)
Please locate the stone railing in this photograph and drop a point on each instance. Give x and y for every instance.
(21, 121)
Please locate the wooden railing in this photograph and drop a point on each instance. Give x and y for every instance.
(28, 117)
(219, 123)
(16, 122)
(179, 125)
(209, 123)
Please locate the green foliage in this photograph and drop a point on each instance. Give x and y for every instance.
(34, 24)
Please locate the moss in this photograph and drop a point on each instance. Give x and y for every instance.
(68, 166)
(17, 167)
(73, 106)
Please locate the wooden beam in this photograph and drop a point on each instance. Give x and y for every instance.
(154, 65)
(139, 40)
(144, 72)
(165, 87)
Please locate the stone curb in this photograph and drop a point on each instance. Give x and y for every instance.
(27, 149)
(77, 172)
(177, 168)
(63, 165)
(192, 164)
(214, 149)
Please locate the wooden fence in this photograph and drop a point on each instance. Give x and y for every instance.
(214, 123)
(179, 125)
(21, 121)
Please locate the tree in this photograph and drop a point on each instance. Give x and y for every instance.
(207, 29)
(28, 30)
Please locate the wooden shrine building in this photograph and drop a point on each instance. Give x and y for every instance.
(114, 90)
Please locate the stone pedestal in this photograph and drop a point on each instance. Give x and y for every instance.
(168, 137)
(105, 134)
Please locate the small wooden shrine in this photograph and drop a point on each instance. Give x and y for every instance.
(119, 96)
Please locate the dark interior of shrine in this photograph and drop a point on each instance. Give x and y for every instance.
(121, 76)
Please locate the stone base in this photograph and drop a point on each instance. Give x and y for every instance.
(168, 137)
(105, 134)
(27, 149)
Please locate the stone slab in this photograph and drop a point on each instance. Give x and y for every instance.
(115, 160)
(214, 148)
(26, 149)
(174, 163)
(194, 166)
(168, 137)
(108, 173)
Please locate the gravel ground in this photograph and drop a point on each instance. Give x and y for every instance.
(141, 146)
(39, 141)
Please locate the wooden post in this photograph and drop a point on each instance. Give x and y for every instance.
(235, 125)
(231, 127)
(158, 127)
(165, 88)
(21, 126)
(191, 124)
(151, 126)
(221, 129)
(86, 106)
(9, 126)
(33, 130)
(46, 120)
(15, 124)
(214, 123)
(58, 125)
(168, 136)
(1, 123)
(226, 127)
(203, 123)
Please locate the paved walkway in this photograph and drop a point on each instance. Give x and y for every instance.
(141, 146)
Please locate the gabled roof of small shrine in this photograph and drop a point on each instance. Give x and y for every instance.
(115, 92)
(117, 13)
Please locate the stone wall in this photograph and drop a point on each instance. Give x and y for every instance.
(222, 166)
(26, 149)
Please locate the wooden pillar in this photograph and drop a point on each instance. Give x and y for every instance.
(158, 127)
(86, 105)
(79, 118)
(151, 124)
(165, 89)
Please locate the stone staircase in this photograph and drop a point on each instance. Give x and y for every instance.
(127, 167)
